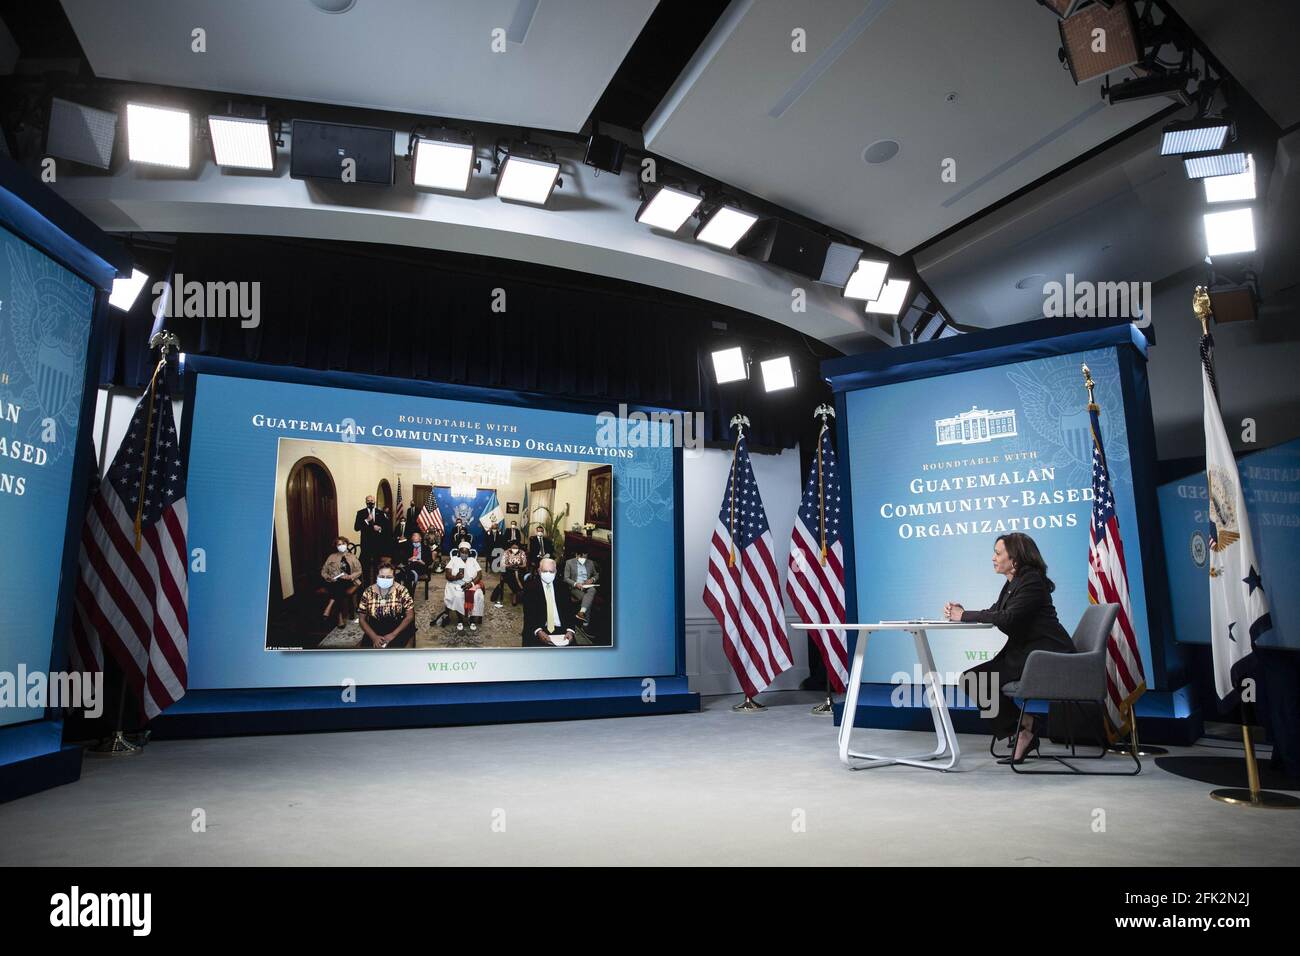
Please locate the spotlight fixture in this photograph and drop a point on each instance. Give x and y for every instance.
(1194, 136)
(526, 173)
(778, 373)
(725, 227)
(1236, 187)
(891, 298)
(729, 365)
(1077, 40)
(442, 160)
(867, 280)
(838, 265)
(82, 134)
(126, 290)
(1234, 303)
(158, 135)
(1224, 162)
(1172, 85)
(668, 208)
(1229, 233)
(242, 141)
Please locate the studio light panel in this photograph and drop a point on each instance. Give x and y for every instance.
(242, 143)
(527, 180)
(158, 135)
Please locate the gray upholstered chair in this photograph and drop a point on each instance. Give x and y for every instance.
(1072, 679)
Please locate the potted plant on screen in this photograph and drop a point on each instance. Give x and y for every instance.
(554, 528)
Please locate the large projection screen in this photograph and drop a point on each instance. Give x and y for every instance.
(941, 466)
(257, 443)
(46, 313)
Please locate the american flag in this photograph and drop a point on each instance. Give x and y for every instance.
(815, 581)
(132, 592)
(1108, 584)
(742, 587)
(430, 519)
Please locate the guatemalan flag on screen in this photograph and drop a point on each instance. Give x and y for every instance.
(742, 589)
(492, 514)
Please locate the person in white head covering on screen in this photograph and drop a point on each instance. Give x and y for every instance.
(463, 594)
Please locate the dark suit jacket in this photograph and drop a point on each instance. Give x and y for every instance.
(374, 543)
(461, 534)
(405, 550)
(512, 534)
(535, 610)
(1025, 613)
(538, 551)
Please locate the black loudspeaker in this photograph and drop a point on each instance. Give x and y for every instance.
(784, 244)
(317, 151)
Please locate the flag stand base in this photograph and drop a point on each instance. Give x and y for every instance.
(1269, 799)
(1144, 750)
(750, 706)
(114, 746)
(1254, 796)
(825, 707)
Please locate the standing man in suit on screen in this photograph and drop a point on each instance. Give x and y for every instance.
(539, 546)
(376, 529)
(548, 621)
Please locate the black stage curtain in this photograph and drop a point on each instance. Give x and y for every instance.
(415, 314)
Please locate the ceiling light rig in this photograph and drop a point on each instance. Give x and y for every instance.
(442, 158)
(667, 206)
(244, 137)
(526, 172)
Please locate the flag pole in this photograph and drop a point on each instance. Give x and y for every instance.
(1252, 796)
(1133, 750)
(116, 744)
(823, 412)
(739, 422)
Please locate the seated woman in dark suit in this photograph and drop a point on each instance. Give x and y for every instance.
(1024, 612)
(342, 575)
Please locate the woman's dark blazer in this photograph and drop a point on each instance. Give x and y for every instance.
(1025, 613)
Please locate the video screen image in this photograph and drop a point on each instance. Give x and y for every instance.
(380, 548)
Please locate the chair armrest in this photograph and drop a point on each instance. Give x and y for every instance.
(1054, 675)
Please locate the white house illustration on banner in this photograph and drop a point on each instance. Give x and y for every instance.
(974, 426)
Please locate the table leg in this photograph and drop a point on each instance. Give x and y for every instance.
(850, 711)
(945, 737)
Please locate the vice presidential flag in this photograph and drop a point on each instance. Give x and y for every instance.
(132, 593)
(492, 512)
(1108, 584)
(741, 589)
(1239, 610)
(815, 581)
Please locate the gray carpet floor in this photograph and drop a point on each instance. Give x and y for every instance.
(709, 788)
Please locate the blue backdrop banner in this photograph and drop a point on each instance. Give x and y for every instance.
(940, 466)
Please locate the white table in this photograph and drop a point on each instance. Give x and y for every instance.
(946, 748)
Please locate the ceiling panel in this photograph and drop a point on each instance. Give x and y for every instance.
(432, 57)
(793, 127)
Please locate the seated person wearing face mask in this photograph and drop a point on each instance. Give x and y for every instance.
(580, 575)
(342, 575)
(387, 612)
(463, 595)
(514, 565)
(415, 560)
(548, 620)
